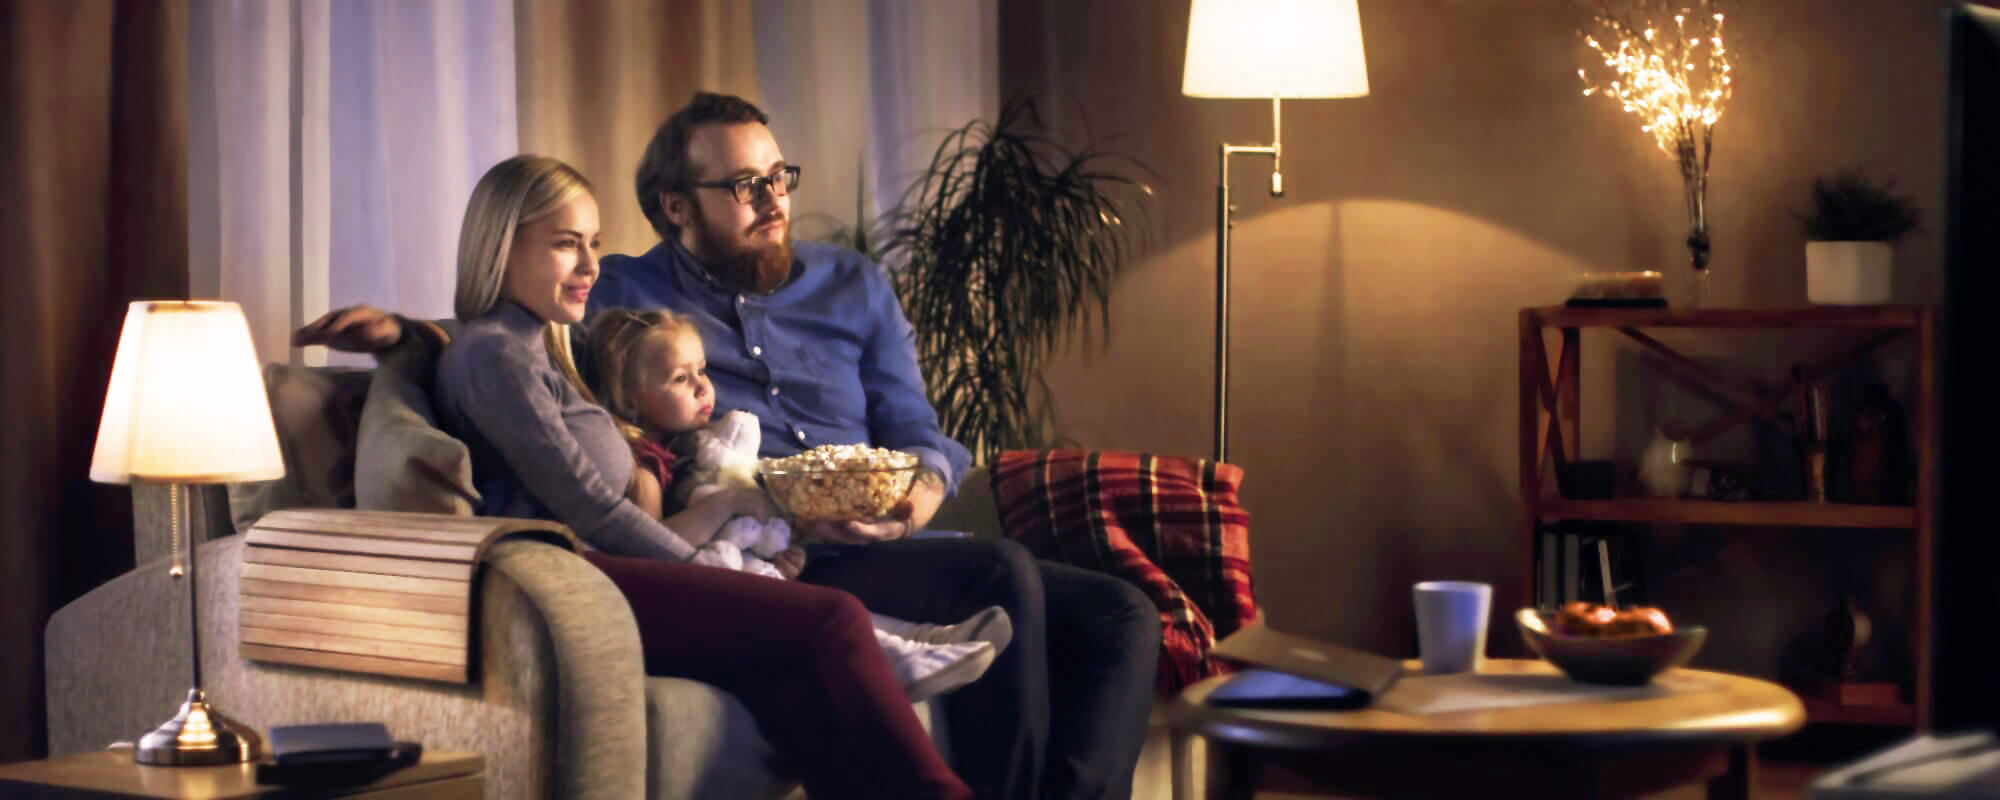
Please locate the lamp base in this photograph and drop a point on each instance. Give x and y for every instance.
(199, 736)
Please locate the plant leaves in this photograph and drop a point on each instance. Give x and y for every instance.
(1848, 207)
(1007, 247)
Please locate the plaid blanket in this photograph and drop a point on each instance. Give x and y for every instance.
(1170, 526)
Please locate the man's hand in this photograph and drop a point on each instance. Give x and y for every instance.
(894, 526)
(355, 329)
(908, 517)
(790, 562)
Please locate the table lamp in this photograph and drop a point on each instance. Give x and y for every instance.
(187, 405)
(1260, 49)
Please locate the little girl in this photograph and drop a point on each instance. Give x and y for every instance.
(651, 372)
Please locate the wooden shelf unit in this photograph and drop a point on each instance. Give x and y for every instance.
(1550, 411)
(1822, 710)
(1710, 512)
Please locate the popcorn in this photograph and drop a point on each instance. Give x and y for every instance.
(839, 482)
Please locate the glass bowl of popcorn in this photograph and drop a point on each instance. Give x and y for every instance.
(839, 482)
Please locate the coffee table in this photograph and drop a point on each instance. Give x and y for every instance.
(1695, 726)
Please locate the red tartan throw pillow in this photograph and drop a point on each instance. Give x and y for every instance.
(1171, 526)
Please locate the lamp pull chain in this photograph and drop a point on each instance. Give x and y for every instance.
(174, 538)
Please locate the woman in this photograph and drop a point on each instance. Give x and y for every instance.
(802, 658)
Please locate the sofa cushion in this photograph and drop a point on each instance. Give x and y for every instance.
(1171, 526)
(405, 463)
(972, 509)
(316, 411)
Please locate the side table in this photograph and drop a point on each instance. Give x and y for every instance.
(113, 775)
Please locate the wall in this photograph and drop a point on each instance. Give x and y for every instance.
(1375, 306)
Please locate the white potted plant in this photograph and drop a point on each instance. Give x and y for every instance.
(1851, 231)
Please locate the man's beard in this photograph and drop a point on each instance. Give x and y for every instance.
(758, 269)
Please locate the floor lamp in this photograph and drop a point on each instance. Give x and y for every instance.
(1264, 49)
(186, 405)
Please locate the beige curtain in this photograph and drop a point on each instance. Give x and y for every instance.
(596, 77)
(93, 140)
(862, 92)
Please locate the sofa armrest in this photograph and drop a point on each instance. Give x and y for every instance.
(558, 707)
(600, 668)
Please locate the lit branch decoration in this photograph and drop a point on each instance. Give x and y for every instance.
(1675, 79)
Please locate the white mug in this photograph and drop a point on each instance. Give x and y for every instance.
(1451, 625)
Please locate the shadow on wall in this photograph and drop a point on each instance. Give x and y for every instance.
(1373, 367)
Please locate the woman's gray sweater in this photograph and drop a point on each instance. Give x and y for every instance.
(539, 448)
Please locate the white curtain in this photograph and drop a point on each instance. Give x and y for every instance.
(332, 149)
(333, 144)
(862, 91)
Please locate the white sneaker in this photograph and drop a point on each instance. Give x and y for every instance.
(991, 625)
(929, 670)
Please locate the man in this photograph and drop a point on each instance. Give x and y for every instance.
(810, 338)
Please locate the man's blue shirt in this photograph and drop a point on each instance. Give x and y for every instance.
(828, 358)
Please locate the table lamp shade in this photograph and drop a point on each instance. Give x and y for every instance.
(186, 402)
(1274, 48)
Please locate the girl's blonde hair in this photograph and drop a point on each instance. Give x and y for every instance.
(617, 341)
(513, 193)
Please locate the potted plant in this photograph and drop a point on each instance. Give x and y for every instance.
(1000, 252)
(1850, 233)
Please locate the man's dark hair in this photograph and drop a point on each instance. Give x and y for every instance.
(665, 166)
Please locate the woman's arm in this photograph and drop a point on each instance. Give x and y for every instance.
(645, 490)
(703, 518)
(513, 406)
(354, 329)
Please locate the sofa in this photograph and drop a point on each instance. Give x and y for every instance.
(560, 705)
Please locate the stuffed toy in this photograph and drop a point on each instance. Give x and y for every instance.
(724, 456)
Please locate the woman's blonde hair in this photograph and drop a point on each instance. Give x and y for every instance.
(617, 341)
(513, 193)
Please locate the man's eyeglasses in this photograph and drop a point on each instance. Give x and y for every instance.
(748, 189)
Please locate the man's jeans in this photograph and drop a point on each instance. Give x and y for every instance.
(1063, 712)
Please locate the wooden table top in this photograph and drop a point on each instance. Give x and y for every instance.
(113, 773)
(1681, 705)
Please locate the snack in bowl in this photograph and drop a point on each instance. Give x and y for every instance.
(1594, 644)
(1586, 619)
(1641, 621)
(839, 482)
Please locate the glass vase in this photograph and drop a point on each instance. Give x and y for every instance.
(1694, 180)
(1663, 468)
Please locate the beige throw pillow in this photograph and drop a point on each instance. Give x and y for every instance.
(315, 411)
(404, 462)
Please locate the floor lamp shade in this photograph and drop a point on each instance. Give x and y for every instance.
(1264, 49)
(186, 402)
(1274, 48)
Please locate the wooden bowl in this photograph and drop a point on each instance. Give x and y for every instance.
(1622, 661)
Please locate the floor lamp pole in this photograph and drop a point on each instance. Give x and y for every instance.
(1223, 212)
